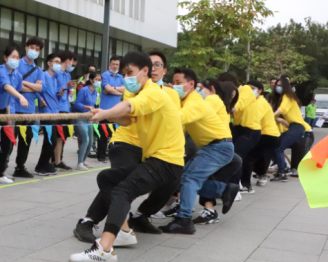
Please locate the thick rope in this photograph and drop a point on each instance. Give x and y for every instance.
(44, 117)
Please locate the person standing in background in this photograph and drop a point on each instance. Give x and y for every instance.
(112, 90)
(310, 113)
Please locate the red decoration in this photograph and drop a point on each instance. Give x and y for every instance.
(104, 127)
(9, 131)
(61, 133)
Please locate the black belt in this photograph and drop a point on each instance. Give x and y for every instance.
(216, 141)
(3, 111)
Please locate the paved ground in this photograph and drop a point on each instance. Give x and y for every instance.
(274, 224)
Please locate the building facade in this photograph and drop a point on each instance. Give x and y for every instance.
(77, 25)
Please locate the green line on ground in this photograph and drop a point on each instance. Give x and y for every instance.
(21, 183)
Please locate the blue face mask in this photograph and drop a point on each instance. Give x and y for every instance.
(70, 68)
(179, 89)
(56, 68)
(197, 89)
(202, 94)
(97, 84)
(32, 54)
(160, 82)
(87, 78)
(12, 63)
(255, 93)
(131, 84)
(113, 72)
(278, 89)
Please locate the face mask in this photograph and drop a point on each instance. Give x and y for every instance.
(202, 94)
(113, 72)
(255, 93)
(97, 84)
(32, 54)
(131, 84)
(197, 89)
(56, 68)
(279, 89)
(160, 82)
(70, 68)
(179, 89)
(13, 63)
(87, 78)
(294, 89)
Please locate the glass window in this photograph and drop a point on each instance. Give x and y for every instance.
(19, 29)
(43, 28)
(119, 48)
(82, 38)
(53, 37)
(63, 36)
(97, 53)
(125, 48)
(90, 40)
(30, 26)
(5, 23)
(73, 36)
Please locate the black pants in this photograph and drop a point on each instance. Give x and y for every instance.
(301, 148)
(5, 146)
(232, 168)
(48, 148)
(23, 148)
(267, 145)
(124, 159)
(245, 140)
(103, 140)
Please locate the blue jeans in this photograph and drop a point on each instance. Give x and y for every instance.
(207, 161)
(310, 121)
(85, 136)
(294, 134)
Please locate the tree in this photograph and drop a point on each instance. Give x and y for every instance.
(209, 23)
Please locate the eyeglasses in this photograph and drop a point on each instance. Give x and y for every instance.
(158, 66)
(55, 61)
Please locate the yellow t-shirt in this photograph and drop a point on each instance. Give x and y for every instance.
(291, 111)
(268, 122)
(126, 134)
(158, 125)
(247, 110)
(201, 121)
(307, 127)
(282, 128)
(217, 104)
(174, 96)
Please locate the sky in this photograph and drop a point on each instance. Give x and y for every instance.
(296, 9)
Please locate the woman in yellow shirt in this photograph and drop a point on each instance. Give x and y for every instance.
(285, 102)
(269, 142)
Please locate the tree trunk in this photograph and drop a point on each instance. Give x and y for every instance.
(248, 60)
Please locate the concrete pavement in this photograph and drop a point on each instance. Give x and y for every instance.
(274, 224)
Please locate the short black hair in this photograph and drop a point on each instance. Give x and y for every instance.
(228, 77)
(160, 54)
(64, 55)
(256, 83)
(92, 76)
(115, 58)
(52, 57)
(35, 41)
(92, 66)
(10, 48)
(138, 59)
(275, 79)
(189, 74)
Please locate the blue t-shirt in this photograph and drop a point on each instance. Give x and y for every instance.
(85, 97)
(107, 101)
(49, 95)
(62, 79)
(24, 67)
(6, 78)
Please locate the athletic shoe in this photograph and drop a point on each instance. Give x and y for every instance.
(142, 224)
(173, 209)
(288, 171)
(273, 169)
(8, 176)
(262, 181)
(228, 197)
(179, 226)
(40, 171)
(238, 197)
(81, 167)
(95, 253)
(247, 190)
(102, 160)
(125, 239)
(158, 215)
(207, 217)
(22, 172)
(279, 178)
(6, 180)
(51, 170)
(87, 165)
(294, 172)
(62, 166)
(84, 232)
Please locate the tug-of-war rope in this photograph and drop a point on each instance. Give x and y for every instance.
(45, 117)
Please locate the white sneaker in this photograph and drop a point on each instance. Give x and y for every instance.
(95, 253)
(81, 167)
(238, 197)
(262, 181)
(158, 215)
(125, 239)
(87, 165)
(6, 180)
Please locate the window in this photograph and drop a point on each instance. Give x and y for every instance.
(119, 48)
(125, 48)
(30, 26)
(5, 29)
(19, 30)
(53, 37)
(43, 34)
(97, 52)
(63, 37)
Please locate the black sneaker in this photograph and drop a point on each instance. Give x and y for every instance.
(62, 166)
(228, 197)
(51, 170)
(22, 172)
(142, 224)
(40, 171)
(207, 217)
(279, 178)
(179, 226)
(83, 231)
(173, 209)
